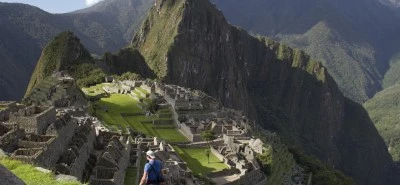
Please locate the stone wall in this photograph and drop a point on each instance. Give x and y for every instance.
(4, 114)
(218, 155)
(34, 119)
(74, 159)
(159, 122)
(27, 155)
(186, 131)
(52, 146)
(9, 136)
(255, 177)
(112, 164)
(35, 141)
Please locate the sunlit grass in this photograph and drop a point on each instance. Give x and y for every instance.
(197, 160)
(94, 90)
(30, 175)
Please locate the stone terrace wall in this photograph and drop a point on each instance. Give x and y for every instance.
(60, 144)
(78, 166)
(9, 136)
(255, 177)
(73, 161)
(34, 141)
(4, 114)
(33, 122)
(112, 165)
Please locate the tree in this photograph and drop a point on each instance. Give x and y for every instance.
(208, 136)
(207, 152)
(153, 106)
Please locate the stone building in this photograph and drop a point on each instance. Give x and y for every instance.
(75, 159)
(6, 107)
(45, 150)
(109, 79)
(34, 119)
(240, 155)
(9, 136)
(112, 163)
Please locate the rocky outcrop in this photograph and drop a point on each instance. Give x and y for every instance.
(189, 43)
(8, 178)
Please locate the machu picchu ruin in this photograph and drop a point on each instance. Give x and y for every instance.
(213, 103)
(76, 139)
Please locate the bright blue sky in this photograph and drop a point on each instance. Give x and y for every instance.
(56, 6)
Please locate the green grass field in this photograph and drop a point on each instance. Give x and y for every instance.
(119, 103)
(94, 90)
(130, 176)
(116, 104)
(197, 161)
(167, 133)
(142, 90)
(30, 175)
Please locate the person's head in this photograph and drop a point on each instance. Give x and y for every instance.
(150, 155)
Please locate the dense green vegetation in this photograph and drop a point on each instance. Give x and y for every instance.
(334, 33)
(392, 76)
(63, 52)
(126, 60)
(283, 89)
(161, 35)
(297, 58)
(129, 76)
(87, 74)
(107, 26)
(321, 174)
(32, 176)
(66, 53)
(384, 110)
(266, 159)
(197, 160)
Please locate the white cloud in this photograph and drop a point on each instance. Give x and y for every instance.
(92, 2)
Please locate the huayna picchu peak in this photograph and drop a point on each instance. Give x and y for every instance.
(189, 43)
(210, 102)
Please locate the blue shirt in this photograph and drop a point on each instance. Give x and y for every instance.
(153, 174)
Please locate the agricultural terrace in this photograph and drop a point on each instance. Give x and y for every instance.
(197, 160)
(120, 111)
(30, 175)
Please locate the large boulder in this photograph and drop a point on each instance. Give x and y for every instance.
(8, 178)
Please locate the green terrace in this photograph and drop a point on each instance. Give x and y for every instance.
(94, 90)
(30, 175)
(197, 160)
(120, 111)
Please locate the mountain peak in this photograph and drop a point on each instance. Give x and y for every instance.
(62, 52)
(189, 43)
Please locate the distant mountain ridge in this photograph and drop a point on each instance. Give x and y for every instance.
(354, 39)
(106, 26)
(391, 3)
(189, 43)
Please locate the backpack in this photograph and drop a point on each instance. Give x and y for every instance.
(159, 178)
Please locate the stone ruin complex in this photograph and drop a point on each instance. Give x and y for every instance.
(64, 138)
(53, 139)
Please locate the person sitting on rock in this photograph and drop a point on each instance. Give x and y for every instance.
(152, 171)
